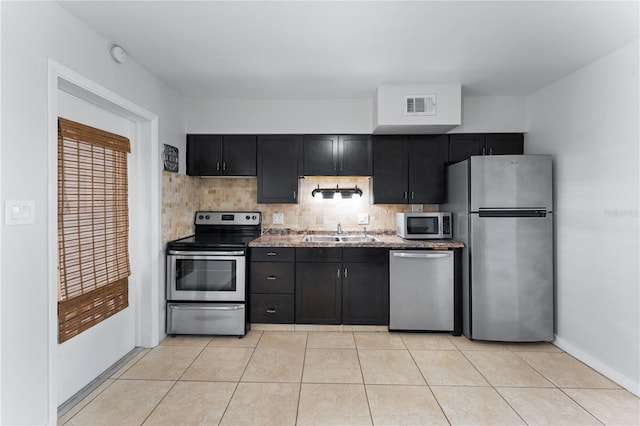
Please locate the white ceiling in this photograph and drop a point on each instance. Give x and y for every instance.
(323, 49)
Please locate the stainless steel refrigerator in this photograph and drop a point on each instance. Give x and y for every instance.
(502, 209)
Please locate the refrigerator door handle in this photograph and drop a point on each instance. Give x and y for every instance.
(533, 212)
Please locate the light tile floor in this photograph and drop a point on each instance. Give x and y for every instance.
(353, 378)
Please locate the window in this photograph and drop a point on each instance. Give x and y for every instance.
(93, 227)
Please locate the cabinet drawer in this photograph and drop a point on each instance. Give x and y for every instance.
(273, 254)
(271, 277)
(271, 308)
(319, 254)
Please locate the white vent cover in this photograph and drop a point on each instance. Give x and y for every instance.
(420, 105)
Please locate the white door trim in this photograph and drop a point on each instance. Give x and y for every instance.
(147, 252)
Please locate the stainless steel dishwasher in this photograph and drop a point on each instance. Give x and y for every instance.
(421, 290)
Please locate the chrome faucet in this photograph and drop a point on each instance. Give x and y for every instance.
(339, 229)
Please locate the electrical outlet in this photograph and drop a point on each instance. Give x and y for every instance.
(363, 218)
(416, 208)
(277, 219)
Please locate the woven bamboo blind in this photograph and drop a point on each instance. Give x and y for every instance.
(93, 226)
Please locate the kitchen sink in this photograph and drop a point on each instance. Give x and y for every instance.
(310, 238)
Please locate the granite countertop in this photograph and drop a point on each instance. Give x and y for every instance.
(293, 239)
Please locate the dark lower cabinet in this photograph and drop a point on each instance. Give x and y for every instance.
(318, 293)
(365, 293)
(272, 285)
(342, 286)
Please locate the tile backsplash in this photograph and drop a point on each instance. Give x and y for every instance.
(180, 200)
(183, 195)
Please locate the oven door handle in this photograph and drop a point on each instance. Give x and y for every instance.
(195, 307)
(207, 253)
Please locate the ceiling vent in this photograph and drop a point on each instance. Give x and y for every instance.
(420, 105)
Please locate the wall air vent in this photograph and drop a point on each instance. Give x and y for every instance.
(420, 105)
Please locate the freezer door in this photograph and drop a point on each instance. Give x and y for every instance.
(511, 181)
(511, 278)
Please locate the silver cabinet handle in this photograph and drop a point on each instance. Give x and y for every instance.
(217, 166)
(272, 253)
(405, 195)
(413, 195)
(484, 151)
(272, 278)
(224, 166)
(346, 273)
(490, 151)
(294, 194)
(338, 273)
(421, 255)
(271, 310)
(334, 166)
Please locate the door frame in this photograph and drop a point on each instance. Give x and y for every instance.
(145, 213)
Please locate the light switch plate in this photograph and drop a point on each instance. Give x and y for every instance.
(277, 219)
(19, 212)
(363, 218)
(416, 208)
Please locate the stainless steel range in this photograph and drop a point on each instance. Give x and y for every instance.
(206, 275)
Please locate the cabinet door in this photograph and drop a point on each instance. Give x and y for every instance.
(278, 168)
(464, 146)
(320, 155)
(426, 157)
(365, 293)
(204, 155)
(318, 293)
(389, 170)
(354, 155)
(239, 155)
(504, 143)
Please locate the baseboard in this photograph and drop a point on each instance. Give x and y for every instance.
(611, 373)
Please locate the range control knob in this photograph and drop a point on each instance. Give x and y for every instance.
(248, 217)
(254, 217)
(200, 217)
(207, 217)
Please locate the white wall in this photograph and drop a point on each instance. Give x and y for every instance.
(31, 34)
(493, 114)
(99, 347)
(279, 116)
(589, 122)
(479, 114)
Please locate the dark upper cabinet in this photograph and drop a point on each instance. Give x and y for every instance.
(409, 169)
(278, 168)
(218, 155)
(463, 146)
(332, 155)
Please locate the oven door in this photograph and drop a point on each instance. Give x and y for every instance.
(206, 276)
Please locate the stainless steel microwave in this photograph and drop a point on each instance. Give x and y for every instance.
(424, 226)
